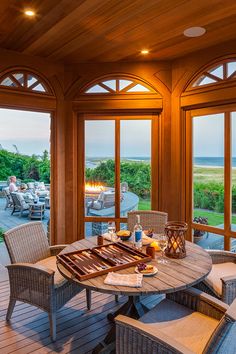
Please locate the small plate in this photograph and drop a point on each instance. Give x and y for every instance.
(155, 271)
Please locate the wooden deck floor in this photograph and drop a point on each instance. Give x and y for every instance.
(8, 221)
(79, 330)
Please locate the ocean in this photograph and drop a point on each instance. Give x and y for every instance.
(198, 161)
(212, 161)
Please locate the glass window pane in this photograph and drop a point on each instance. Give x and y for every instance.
(111, 84)
(206, 80)
(233, 172)
(135, 168)
(20, 78)
(100, 168)
(231, 67)
(8, 82)
(209, 240)
(217, 71)
(124, 83)
(208, 168)
(138, 88)
(95, 228)
(31, 80)
(233, 244)
(39, 88)
(97, 89)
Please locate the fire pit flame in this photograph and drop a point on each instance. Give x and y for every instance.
(94, 187)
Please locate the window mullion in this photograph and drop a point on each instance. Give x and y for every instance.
(117, 170)
(227, 181)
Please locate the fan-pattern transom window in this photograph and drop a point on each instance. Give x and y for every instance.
(114, 86)
(24, 80)
(223, 72)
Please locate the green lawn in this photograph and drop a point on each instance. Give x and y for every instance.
(144, 204)
(214, 219)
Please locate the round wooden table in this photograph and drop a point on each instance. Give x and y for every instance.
(177, 274)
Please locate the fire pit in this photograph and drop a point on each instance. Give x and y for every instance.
(93, 189)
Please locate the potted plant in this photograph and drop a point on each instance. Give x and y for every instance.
(198, 234)
(1, 235)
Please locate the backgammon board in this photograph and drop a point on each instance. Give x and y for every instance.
(91, 262)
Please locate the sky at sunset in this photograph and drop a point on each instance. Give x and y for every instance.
(29, 131)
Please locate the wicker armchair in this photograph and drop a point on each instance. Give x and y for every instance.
(188, 321)
(33, 274)
(150, 219)
(221, 281)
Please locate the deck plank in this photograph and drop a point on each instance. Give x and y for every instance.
(78, 330)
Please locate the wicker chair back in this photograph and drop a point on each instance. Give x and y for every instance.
(150, 219)
(27, 243)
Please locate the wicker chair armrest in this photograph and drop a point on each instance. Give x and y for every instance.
(229, 279)
(129, 332)
(228, 288)
(55, 250)
(34, 268)
(33, 284)
(219, 256)
(199, 301)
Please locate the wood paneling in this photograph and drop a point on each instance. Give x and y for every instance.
(112, 30)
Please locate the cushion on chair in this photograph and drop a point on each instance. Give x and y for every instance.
(50, 263)
(192, 329)
(219, 271)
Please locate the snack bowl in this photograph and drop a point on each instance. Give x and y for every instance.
(124, 235)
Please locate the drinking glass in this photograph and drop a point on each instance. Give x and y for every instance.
(112, 231)
(162, 243)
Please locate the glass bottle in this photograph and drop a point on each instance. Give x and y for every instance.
(138, 233)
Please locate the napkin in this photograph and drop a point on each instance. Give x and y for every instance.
(107, 236)
(132, 280)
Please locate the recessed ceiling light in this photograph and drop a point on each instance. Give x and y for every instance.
(194, 31)
(29, 13)
(145, 51)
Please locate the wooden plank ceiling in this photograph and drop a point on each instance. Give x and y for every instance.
(114, 30)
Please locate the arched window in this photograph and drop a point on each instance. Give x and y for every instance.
(23, 80)
(116, 86)
(219, 73)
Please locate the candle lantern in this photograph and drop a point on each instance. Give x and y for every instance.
(175, 232)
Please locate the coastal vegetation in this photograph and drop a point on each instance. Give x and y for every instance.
(208, 181)
(25, 168)
(208, 186)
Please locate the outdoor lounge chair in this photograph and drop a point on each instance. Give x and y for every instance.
(19, 203)
(8, 197)
(149, 219)
(221, 281)
(105, 200)
(187, 321)
(33, 274)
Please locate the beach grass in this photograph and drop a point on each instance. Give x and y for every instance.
(211, 174)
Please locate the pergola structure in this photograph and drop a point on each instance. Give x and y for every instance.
(53, 62)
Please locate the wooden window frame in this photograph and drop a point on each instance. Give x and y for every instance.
(226, 232)
(24, 86)
(117, 117)
(117, 90)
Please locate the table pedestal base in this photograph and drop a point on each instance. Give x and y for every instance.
(132, 308)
